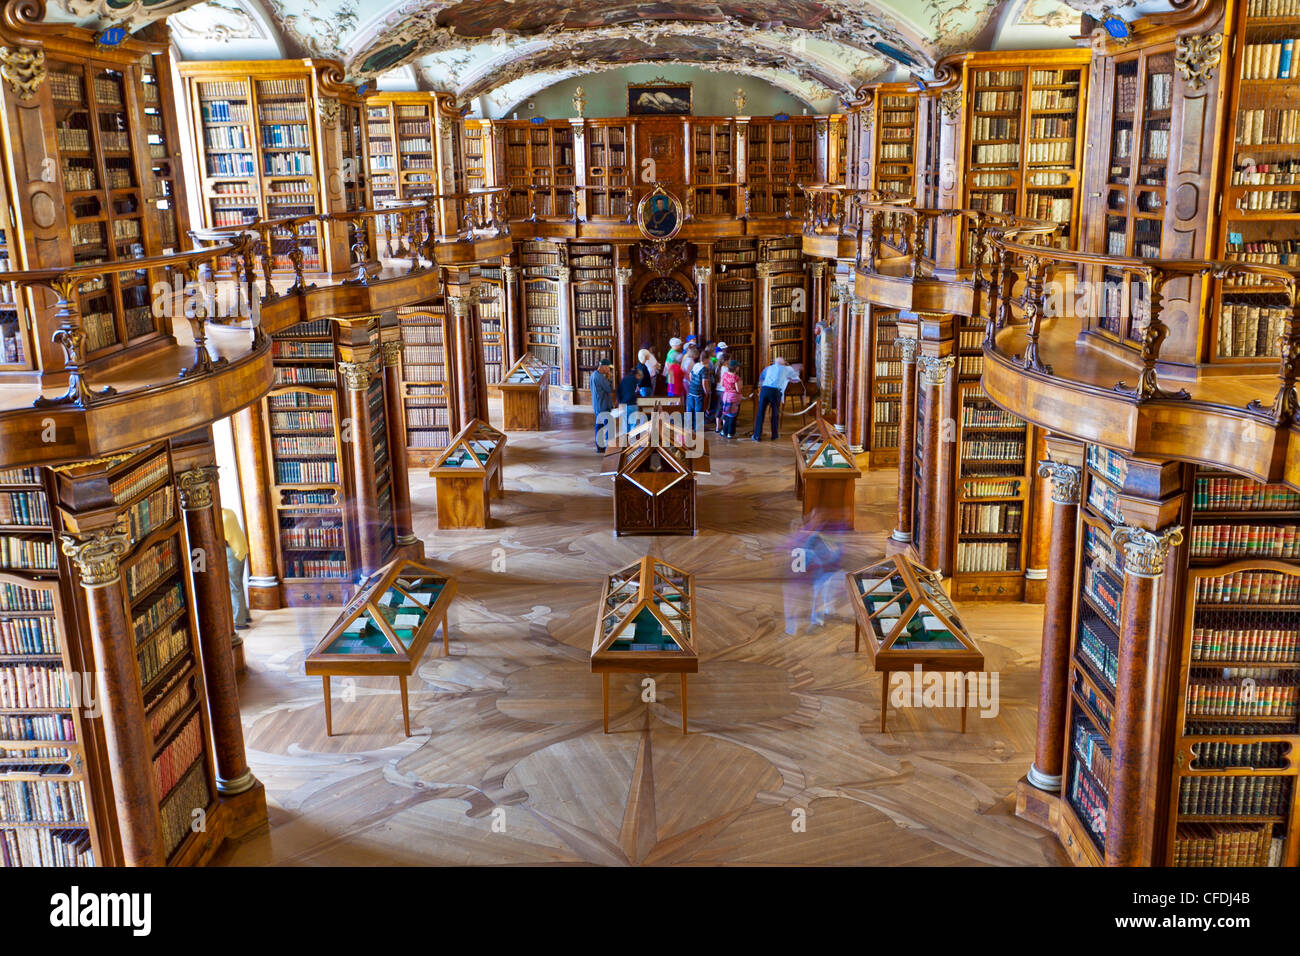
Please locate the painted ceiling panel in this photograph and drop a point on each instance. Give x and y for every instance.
(470, 47)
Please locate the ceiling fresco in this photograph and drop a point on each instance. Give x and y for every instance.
(473, 47)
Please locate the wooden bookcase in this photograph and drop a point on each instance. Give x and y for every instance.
(277, 139)
(895, 139)
(611, 166)
(94, 168)
(539, 168)
(427, 380)
(1261, 184)
(779, 154)
(43, 742)
(593, 290)
(1233, 800)
(541, 262)
(314, 439)
(885, 388)
(417, 146)
(491, 312)
(735, 263)
(477, 148)
(713, 161)
(787, 324)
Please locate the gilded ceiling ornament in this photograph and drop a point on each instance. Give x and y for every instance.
(950, 103)
(1195, 57)
(23, 69)
(328, 107)
(740, 101)
(579, 101)
(131, 15)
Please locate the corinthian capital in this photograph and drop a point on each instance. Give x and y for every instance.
(194, 488)
(907, 347)
(1145, 551)
(934, 369)
(356, 375)
(97, 554)
(1065, 481)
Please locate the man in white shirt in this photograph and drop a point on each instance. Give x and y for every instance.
(772, 384)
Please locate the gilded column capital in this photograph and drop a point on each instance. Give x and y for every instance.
(1065, 481)
(1145, 551)
(97, 554)
(818, 270)
(907, 348)
(458, 306)
(623, 274)
(509, 273)
(702, 274)
(764, 270)
(392, 352)
(356, 375)
(564, 273)
(934, 369)
(194, 488)
(23, 68)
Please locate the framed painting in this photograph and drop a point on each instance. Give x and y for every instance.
(659, 98)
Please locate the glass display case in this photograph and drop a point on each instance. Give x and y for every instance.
(468, 474)
(654, 477)
(909, 623)
(646, 624)
(525, 394)
(826, 475)
(384, 630)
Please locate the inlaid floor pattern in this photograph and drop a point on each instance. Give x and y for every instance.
(507, 764)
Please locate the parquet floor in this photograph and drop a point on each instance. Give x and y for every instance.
(508, 765)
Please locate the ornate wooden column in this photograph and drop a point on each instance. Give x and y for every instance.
(625, 350)
(843, 319)
(1045, 771)
(933, 371)
(565, 292)
(356, 376)
(203, 532)
(459, 314)
(513, 319)
(403, 528)
(1131, 816)
(1040, 534)
(704, 311)
(762, 317)
(857, 401)
(249, 432)
(816, 311)
(907, 350)
(94, 550)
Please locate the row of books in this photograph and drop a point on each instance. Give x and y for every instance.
(171, 699)
(997, 102)
(151, 567)
(988, 415)
(1234, 796)
(1044, 206)
(306, 472)
(1090, 804)
(131, 483)
(34, 846)
(24, 508)
(1096, 644)
(37, 727)
(896, 152)
(33, 685)
(24, 554)
(1222, 754)
(1266, 644)
(1269, 200)
(1203, 844)
(1241, 696)
(1092, 750)
(224, 110)
(28, 635)
(231, 164)
(165, 606)
(67, 87)
(1268, 174)
(301, 498)
(306, 445)
(312, 537)
(226, 137)
(1065, 101)
(975, 556)
(1266, 127)
(1272, 8)
(1051, 153)
(1005, 154)
(1250, 587)
(991, 450)
(992, 518)
(177, 812)
(1269, 61)
(995, 127)
(156, 653)
(1104, 592)
(304, 375)
(178, 756)
(297, 567)
(1051, 127)
(42, 801)
(299, 421)
(1242, 494)
(287, 164)
(1245, 540)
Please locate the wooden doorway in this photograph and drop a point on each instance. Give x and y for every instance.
(664, 308)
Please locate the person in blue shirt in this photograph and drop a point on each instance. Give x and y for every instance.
(772, 384)
(602, 401)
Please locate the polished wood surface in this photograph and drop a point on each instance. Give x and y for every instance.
(512, 720)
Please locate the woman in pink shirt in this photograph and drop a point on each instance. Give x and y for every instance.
(730, 382)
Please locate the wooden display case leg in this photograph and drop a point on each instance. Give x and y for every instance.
(604, 699)
(963, 718)
(446, 638)
(329, 714)
(884, 700)
(857, 634)
(684, 707)
(406, 707)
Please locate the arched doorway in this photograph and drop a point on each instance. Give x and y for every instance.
(664, 307)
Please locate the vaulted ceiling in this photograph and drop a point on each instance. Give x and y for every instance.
(816, 49)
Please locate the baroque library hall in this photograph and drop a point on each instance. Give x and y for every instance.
(629, 433)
